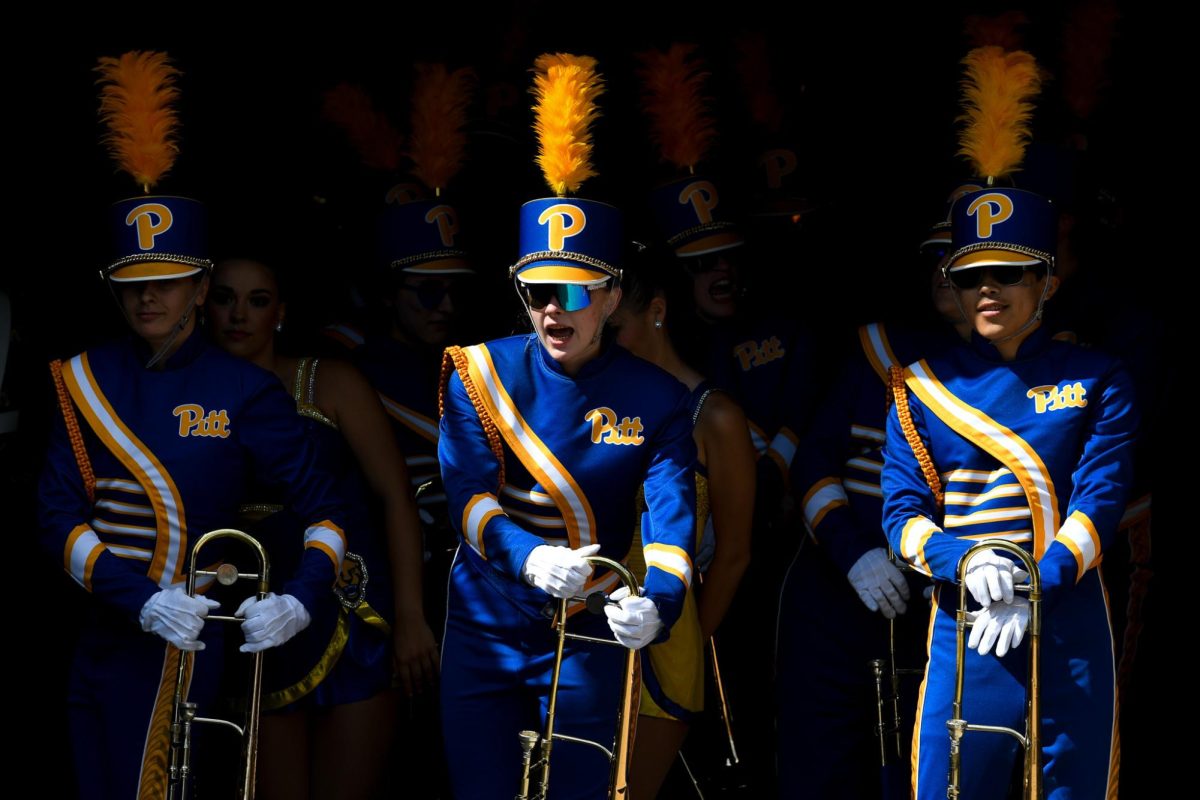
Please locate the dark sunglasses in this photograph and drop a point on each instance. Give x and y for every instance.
(568, 296)
(1004, 274)
(698, 265)
(430, 294)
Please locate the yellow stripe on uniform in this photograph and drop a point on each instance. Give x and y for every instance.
(419, 423)
(912, 542)
(784, 445)
(167, 567)
(825, 495)
(861, 487)
(79, 556)
(878, 349)
(1000, 442)
(989, 515)
(968, 499)
(530, 496)
(329, 539)
(1079, 534)
(478, 511)
(975, 475)
(670, 558)
(875, 435)
(529, 448)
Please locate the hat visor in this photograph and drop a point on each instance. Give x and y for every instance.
(443, 266)
(562, 273)
(991, 258)
(152, 271)
(713, 243)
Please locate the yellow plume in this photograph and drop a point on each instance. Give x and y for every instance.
(439, 112)
(135, 103)
(368, 129)
(997, 91)
(565, 88)
(679, 120)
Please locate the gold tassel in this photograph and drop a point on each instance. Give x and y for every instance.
(672, 97)
(439, 112)
(137, 91)
(370, 132)
(565, 88)
(998, 89)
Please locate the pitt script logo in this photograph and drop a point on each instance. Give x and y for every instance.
(606, 429)
(754, 354)
(1054, 398)
(194, 422)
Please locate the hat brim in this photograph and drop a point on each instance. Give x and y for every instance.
(562, 273)
(152, 271)
(713, 243)
(993, 258)
(443, 266)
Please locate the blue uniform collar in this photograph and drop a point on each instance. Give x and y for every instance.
(189, 351)
(1035, 343)
(593, 367)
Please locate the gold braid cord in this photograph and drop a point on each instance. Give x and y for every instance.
(73, 432)
(455, 360)
(900, 393)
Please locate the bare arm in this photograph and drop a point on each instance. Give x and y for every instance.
(344, 395)
(727, 453)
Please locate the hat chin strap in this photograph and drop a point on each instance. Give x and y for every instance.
(1029, 323)
(163, 349)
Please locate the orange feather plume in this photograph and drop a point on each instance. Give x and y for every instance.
(137, 91)
(997, 93)
(565, 88)
(370, 132)
(673, 98)
(755, 71)
(439, 112)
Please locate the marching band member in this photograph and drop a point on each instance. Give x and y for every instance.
(545, 441)
(673, 672)
(1022, 438)
(334, 710)
(157, 436)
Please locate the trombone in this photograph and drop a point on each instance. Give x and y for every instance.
(184, 712)
(1030, 740)
(887, 688)
(535, 748)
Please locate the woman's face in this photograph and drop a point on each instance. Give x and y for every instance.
(998, 310)
(714, 284)
(154, 308)
(424, 307)
(572, 338)
(244, 308)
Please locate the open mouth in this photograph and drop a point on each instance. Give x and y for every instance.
(559, 334)
(722, 290)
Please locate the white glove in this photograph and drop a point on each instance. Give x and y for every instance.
(271, 621)
(559, 571)
(1002, 624)
(176, 617)
(634, 620)
(880, 585)
(991, 577)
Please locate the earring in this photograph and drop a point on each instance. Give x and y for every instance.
(658, 323)
(279, 326)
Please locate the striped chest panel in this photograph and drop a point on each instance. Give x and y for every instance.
(123, 518)
(986, 504)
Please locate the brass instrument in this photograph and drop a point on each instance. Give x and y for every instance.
(535, 749)
(887, 688)
(1031, 739)
(184, 712)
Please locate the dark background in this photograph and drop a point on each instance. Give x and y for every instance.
(871, 97)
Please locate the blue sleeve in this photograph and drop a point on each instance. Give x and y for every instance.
(1101, 484)
(910, 514)
(64, 520)
(819, 468)
(471, 476)
(669, 525)
(799, 401)
(273, 435)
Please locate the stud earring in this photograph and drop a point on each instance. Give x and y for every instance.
(658, 323)
(279, 326)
